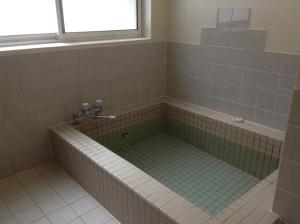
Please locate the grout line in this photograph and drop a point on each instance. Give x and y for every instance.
(287, 192)
(69, 204)
(29, 195)
(291, 160)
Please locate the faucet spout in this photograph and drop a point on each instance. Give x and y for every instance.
(93, 112)
(105, 117)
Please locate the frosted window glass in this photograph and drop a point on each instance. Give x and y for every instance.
(20, 17)
(99, 15)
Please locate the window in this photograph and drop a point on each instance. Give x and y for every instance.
(30, 20)
(100, 15)
(27, 17)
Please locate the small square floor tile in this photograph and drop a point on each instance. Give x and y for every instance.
(31, 180)
(62, 216)
(97, 216)
(52, 204)
(84, 205)
(11, 188)
(113, 221)
(73, 194)
(42, 221)
(4, 212)
(9, 220)
(20, 203)
(43, 194)
(77, 221)
(29, 215)
(64, 185)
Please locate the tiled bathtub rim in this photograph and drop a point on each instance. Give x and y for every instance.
(247, 125)
(194, 128)
(88, 154)
(93, 152)
(219, 116)
(159, 192)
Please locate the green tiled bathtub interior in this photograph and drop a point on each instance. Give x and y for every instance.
(209, 171)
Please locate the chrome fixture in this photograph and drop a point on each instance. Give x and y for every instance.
(93, 112)
(104, 117)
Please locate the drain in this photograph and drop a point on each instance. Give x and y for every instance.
(126, 145)
(125, 135)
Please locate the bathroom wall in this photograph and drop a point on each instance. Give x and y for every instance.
(280, 18)
(159, 12)
(287, 198)
(42, 89)
(229, 70)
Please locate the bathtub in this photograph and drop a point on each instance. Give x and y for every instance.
(167, 161)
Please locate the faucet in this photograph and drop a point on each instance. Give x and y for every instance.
(94, 112)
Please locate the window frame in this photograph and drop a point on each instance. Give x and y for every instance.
(62, 36)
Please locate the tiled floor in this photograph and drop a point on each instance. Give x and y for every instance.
(202, 179)
(47, 195)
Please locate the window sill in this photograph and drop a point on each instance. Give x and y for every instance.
(58, 46)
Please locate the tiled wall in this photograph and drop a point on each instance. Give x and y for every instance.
(287, 199)
(42, 89)
(230, 72)
(224, 141)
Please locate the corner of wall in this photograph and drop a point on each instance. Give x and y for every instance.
(154, 19)
(298, 81)
(146, 17)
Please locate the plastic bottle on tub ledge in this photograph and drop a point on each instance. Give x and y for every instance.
(238, 120)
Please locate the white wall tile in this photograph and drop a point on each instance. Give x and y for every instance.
(241, 18)
(28, 64)
(49, 61)
(290, 65)
(11, 87)
(8, 66)
(266, 101)
(54, 84)
(283, 104)
(70, 77)
(224, 17)
(263, 117)
(69, 59)
(86, 57)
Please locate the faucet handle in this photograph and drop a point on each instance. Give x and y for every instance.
(98, 103)
(85, 107)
